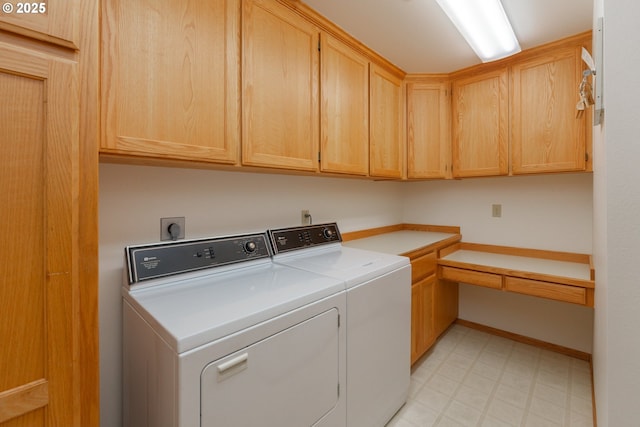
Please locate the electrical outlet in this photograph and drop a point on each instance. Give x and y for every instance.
(305, 217)
(169, 225)
(496, 211)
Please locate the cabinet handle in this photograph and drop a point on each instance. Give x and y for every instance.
(223, 367)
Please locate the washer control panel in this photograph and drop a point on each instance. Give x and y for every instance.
(164, 259)
(294, 238)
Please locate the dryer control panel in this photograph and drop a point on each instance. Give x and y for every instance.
(294, 238)
(164, 259)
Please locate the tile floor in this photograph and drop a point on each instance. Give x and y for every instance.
(471, 378)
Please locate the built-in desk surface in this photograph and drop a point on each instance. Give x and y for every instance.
(560, 276)
(549, 267)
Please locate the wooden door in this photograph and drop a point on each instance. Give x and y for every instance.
(54, 21)
(39, 315)
(171, 79)
(480, 124)
(385, 117)
(428, 130)
(280, 112)
(547, 136)
(344, 109)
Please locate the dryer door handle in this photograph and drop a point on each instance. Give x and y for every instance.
(224, 367)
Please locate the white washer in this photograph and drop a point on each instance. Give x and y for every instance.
(378, 316)
(215, 334)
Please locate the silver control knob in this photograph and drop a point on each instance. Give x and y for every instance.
(250, 247)
(328, 233)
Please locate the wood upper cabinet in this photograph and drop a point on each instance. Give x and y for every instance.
(344, 108)
(280, 79)
(428, 129)
(40, 328)
(385, 118)
(480, 113)
(54, 21)
(546, 135)
(170, 74)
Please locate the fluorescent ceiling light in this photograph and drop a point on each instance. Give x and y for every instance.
(484, 25)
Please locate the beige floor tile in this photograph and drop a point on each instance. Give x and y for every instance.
(492, 359)
(471, 397)
(534, 420)
(561, 382)
(548, 410)
(448, 422)
(505, 412)
(432, 399)
(581, 406)
(442, 384)
(513, 396)
(489, 421)
(419, 415)
(469, 378)
(549, 394)
(522, 383)
(452, 371)
(463, 414)
(487, 371)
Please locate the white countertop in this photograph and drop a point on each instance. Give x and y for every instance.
(398, 242)
(518, 263)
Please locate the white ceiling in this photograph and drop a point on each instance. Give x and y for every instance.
(418, 37)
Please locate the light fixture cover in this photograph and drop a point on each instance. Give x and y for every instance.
(484, 25)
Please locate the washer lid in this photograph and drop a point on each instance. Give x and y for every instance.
(354, 266)
(200, 310)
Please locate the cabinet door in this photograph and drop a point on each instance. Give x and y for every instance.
(280, 117)
(385, 133)
(171, 79)
(344, 109)
(428, 130)
(480, 125)
(445, 307)
(546, 134)
(422, 325)
(39, 324)
(55, 21)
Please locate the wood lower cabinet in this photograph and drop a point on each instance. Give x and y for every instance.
(385, 116)
(434, 302)
(422, 316)
(280, 125)
(445, 312)
(428, 129)
(170, 74)
(546, 133)
(480, 125)
(344, 108)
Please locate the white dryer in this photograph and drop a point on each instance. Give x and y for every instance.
(215, 334)
(378, 316)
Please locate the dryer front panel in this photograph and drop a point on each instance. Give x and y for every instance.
(288, 379)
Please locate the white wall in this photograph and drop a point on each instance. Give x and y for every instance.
(555, 211)
(133, 198)
(545, 212)
(617, 221)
